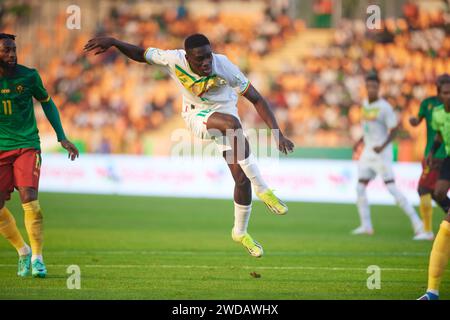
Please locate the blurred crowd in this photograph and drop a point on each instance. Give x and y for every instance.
(109, 104)
(319, 98)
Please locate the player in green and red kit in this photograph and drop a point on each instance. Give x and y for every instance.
(440, 253)
(20, 155)
(430, 175)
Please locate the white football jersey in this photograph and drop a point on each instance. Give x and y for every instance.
(208, 92)
(378, 118)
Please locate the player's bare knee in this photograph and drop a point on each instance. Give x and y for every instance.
(232, 123)
(440, 194)
(27, 195)
(3, 198)
(361, 187)
(424, 191)
(242, 181)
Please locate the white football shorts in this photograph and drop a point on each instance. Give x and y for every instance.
(196, 123)
(372, 164)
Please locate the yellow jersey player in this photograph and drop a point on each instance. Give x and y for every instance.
(430, 175)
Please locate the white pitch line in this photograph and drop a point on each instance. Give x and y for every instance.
(165, 266)
(228, 253)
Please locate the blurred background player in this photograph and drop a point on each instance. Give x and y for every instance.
(429, 174)
(440, 252)
(207, 81)
(20, 155)
(379, 129)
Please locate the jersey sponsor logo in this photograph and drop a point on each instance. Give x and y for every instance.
(370, 114)
(5, 91)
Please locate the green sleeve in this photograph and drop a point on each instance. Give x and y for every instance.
(52, 114)
(423, 109)
(39, 91)
(435, 121)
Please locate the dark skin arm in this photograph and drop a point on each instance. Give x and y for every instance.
(436, 145)
(104, 43)
(392, 134)
(415, 121)
(70, 147)
(358, 143)
(265, 112)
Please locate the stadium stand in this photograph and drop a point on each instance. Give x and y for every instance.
(118, 106)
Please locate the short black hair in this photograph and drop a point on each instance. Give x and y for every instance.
(196, 40)
(372, 76)
(7, 36)
(442, 79)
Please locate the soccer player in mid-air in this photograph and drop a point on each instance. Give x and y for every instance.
(20, 156)
(208, 82)
(440, 253)
(430, 175)
(380, 126)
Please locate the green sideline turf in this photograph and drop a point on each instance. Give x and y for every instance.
(166, 248)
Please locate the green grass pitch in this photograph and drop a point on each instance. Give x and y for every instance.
(165, 248)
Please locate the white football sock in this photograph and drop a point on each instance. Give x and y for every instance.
(25, 250)
(241, 218)
(37, 257)
(436, 292)
(251, 170)
(363, 206)
(407, 208)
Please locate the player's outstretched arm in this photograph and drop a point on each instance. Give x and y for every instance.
(265, 112)
(102, 44)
